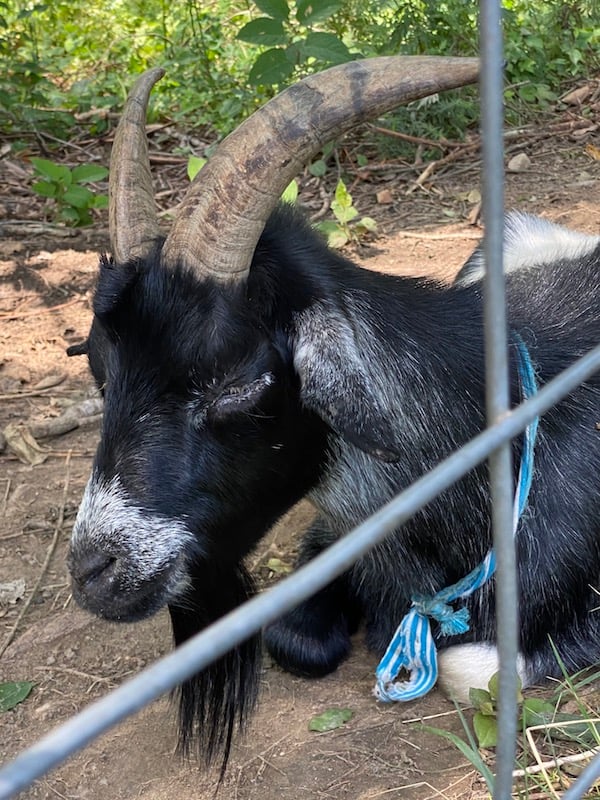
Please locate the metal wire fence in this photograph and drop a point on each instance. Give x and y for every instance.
(493, 444)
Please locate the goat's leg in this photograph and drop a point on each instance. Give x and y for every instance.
(313, 639)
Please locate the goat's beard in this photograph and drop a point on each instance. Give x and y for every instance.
(216, 702)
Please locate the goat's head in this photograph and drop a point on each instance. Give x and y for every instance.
(206, 436)
(202, 417)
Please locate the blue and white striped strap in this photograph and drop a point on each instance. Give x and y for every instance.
(412, 647)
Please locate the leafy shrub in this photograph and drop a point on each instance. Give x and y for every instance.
(223, 58)
(73, 200)
(295, 44)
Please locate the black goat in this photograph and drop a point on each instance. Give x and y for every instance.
(238, 379)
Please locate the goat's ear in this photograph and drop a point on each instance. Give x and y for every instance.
(340, 370)
(79, 349)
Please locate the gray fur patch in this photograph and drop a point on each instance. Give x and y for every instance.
(347, 376)
(110, 522)
(530, 241)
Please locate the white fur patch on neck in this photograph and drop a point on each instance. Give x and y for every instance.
(470, 666)
(531, 241)
(110, 521)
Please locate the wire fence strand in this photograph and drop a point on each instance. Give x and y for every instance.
(237, 626)
(492, 444)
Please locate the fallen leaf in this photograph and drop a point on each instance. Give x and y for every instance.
(577, 96)
(330, 720)
(11, 694)
(592, 151)
(23, 445)
(49, 380)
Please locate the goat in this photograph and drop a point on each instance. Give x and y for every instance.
(244, 366)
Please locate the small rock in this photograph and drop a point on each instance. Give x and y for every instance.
(11, 592)
(384, 197)
(519, 163)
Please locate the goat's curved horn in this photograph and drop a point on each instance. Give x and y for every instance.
(224, 212)
(132, 221)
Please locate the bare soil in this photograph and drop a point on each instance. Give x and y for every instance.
(45, 291)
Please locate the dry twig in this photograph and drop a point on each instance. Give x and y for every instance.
(35, 312)
(57, 530)
(556, 762)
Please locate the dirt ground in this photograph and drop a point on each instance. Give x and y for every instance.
(382, 752)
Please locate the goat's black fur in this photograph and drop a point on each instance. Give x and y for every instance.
(224, 407)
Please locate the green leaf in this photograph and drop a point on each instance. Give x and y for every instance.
(99, 201)
(362, 160)
(264, 30)
(45, 189)
(494, 687)
(279, 566)
(326, 47)
(471, 754)
(540, 712)
(479, 698)
(71, 215)
(335, 234)
(310, 11)
(290, 194)
(486, 729)
(194, 165)
(342, 206)
(53, 172)
(342, 196)
(278, 9)
(77, 196)
(293, 53)
(318, 168)
(11, 694)
(366, 225)
(271, 67)
(342, 214)
(537, 705)
(86, 173)
(330, 720)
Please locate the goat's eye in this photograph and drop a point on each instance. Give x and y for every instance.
(240, 398)
(211, 405)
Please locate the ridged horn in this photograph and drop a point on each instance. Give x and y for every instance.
(225, 209)
(132, 221)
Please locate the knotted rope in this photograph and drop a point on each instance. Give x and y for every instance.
(412, 647)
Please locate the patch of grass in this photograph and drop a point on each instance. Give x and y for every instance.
(559, 732)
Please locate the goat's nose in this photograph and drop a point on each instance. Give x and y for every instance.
(88, 568)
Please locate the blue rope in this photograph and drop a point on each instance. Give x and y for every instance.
(412, 647)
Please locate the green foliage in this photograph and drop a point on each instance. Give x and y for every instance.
(80, 55)
(194, 165)
(468, 749)
(223, 59)
(13, 693)
(546, 43)
(330, 720)
(345, 227)
(296, 46)
(290, 194)
(73, 200)
(556, 726)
